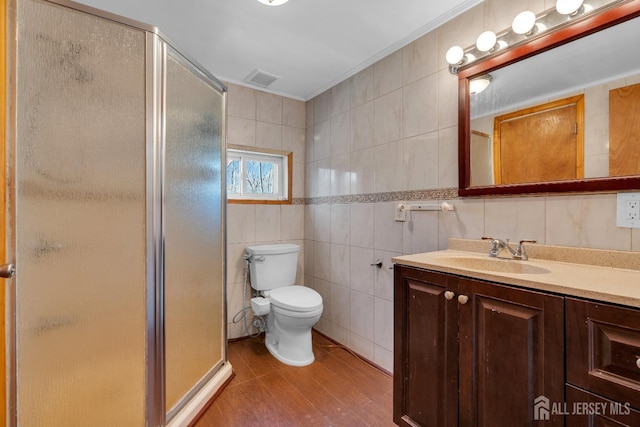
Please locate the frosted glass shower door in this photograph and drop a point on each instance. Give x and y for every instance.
(80, 203)
(193, 232)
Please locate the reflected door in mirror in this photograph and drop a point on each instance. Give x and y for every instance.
(540, 144)
(624, 131)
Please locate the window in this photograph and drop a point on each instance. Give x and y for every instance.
(257, 175)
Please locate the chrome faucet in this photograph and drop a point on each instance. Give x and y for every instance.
(518, 253)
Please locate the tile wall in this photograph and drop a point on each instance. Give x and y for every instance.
(390, 129)
(256, 118)
(387, 134)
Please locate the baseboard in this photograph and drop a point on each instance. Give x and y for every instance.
(355, 354)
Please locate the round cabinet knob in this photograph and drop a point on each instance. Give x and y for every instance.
(638, 361)
(462, 299)
(449, 295)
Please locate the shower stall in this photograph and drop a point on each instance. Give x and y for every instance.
(116, 216)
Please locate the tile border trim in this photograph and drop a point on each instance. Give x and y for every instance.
(432, 194)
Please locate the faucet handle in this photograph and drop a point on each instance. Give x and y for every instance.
(528, 241)
(520, 252)
(494, 242)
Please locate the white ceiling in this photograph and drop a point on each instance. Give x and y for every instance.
(310, 44)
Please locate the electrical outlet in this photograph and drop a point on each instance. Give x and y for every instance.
(628, 212)
(401, 213)
(632, 209)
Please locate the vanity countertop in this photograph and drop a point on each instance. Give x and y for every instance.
(608, 283)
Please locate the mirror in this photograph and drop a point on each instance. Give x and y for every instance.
(592, 62)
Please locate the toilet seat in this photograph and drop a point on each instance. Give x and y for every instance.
(296, 298)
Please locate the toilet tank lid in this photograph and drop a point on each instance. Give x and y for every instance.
(282, 248)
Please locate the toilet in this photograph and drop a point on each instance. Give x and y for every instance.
(291, 310)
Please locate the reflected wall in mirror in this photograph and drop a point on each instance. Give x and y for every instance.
(602, 68)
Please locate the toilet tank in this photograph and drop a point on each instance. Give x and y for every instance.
(272, 266)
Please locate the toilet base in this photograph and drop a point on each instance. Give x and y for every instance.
(274, 352)
(288, 338)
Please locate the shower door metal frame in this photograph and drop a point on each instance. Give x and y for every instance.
(155, 80)
(157, 45)
(10, 224)
(198, 71)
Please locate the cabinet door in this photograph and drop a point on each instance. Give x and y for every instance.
(511, 353)
(426, 349)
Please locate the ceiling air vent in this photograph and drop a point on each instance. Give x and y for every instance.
(260, 78)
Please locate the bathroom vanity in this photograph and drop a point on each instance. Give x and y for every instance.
(485, 341)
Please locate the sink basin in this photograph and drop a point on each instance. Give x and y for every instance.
(497, 265)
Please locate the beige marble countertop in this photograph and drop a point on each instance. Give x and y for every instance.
(617, 281)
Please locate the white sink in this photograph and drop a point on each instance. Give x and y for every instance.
(498, 265)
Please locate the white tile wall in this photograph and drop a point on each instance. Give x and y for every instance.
(391, 127)
(265, 120)
(420, 58)
(403, 136)
(420, 106)
(419, 164)
(387, 74)
(388, 174)
(362, 174)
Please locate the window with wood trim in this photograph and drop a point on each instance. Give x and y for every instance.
(258, 175)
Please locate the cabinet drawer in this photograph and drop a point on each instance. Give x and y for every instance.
(587, 409)
(603, 350)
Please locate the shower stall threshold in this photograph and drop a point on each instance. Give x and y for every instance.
(200, 400)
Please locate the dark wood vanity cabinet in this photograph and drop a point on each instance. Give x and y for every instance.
(472, 353)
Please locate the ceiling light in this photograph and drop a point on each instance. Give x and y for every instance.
(479, 84)
(568, 7)
(524, 22)
(454, 55)
(273, 2)
(486, 41)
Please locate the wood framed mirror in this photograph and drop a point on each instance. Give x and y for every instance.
(609, 139)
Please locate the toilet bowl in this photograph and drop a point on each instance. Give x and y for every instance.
(293, 309)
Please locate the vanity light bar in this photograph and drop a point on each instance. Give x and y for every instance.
(526, 26)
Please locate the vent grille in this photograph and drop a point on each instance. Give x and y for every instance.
(260, 78)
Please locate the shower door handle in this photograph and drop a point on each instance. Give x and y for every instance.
(7, 271)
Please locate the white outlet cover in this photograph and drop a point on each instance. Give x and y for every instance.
(621, 213)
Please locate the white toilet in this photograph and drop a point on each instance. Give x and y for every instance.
(292, 309)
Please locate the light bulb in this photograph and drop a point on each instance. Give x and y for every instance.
(524, 22)
(486, 41)
(273, 2)
(454, 55)
(568, 7)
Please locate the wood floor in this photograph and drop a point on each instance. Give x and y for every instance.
(338, 389)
